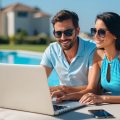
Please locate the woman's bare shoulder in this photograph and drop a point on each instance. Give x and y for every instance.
(119, 55)
(99, 55)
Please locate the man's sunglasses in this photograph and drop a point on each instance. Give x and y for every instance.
(67, 33)
(101, 32)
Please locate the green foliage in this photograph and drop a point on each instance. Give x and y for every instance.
(12, 39)
(36, 48)
(4, 40)
(52, 39)
(22, 33)
(20, 36)
(37, 39)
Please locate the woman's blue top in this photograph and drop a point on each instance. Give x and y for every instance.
(113, 85)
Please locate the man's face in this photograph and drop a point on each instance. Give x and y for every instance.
(66, 34)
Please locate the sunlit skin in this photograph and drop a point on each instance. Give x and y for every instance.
(108, 42)
(68, 44)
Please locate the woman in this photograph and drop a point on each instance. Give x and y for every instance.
(107, 57)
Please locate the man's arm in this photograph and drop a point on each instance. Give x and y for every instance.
(76, 92)
(61, 90)
(47, 69)
(67, 89)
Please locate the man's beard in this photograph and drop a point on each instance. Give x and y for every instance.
(67, 47)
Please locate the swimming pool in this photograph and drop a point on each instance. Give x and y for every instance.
(23, 57)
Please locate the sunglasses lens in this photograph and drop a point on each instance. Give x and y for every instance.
(57, 34)
(101, 33)
(93, 31)
(68, 32)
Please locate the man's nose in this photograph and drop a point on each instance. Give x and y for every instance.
(63, 36)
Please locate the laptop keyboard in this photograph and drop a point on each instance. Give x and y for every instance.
(58, 107)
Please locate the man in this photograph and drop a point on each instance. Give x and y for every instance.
(70, 55)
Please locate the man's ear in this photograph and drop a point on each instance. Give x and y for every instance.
(78, 30)
(119, 57)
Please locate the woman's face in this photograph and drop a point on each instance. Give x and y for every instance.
(103, 37)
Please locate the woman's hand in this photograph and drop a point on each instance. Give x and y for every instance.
(91, 98)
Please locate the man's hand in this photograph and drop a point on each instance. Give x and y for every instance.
(70, 96)
(66, 92)
(58, 91)
(62, 88)
(55, 88)
(67, 89)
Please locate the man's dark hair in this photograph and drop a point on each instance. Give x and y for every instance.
(112, 22)
(65, 15)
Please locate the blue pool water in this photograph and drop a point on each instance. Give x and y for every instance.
(27, 58)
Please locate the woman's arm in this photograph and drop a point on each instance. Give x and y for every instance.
(91, 98)
(93, 76)
(110, 99)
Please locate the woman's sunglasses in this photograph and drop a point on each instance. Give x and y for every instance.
(101, 32)
(68, 33)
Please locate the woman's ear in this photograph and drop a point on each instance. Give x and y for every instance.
(114, 37)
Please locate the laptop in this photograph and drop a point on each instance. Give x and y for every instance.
(25, 87)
